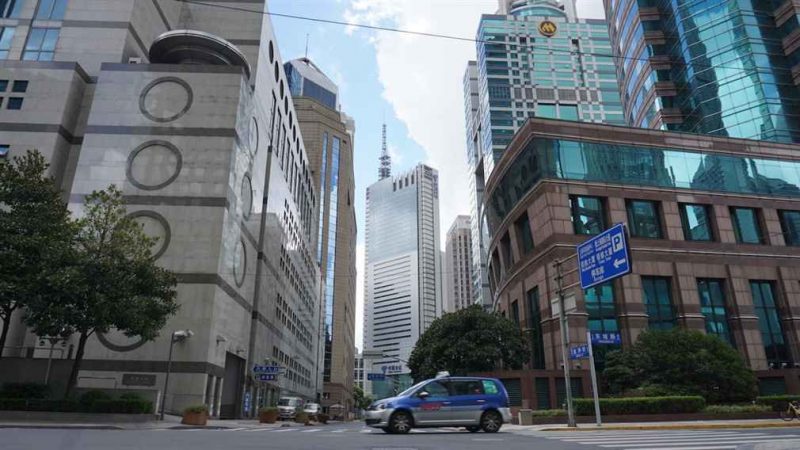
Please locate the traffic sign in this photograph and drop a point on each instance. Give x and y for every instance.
(247, 402)
(606, 338)
(376, 376)
(267, 369)
(579, 351)
(267, 376)
(604, 257)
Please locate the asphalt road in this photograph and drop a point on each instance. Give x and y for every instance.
(356, 436)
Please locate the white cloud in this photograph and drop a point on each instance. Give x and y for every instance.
(360, 296)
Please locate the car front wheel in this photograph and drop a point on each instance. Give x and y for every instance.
(491, 421)
(400, 422)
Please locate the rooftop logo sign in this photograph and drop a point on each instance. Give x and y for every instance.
(547, 28)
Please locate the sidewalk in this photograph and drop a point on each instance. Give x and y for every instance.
(686, 425)
(169, 422)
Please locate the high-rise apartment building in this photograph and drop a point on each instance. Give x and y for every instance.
(457, 265)
(328, 135)
(534, 58)
(184, 107)
(722, 67)
(402, 293)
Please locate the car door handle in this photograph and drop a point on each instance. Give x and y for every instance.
(481, 401)
(445, 403)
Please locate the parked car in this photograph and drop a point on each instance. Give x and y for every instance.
(313, 410)
(287, 407)
(471, 402)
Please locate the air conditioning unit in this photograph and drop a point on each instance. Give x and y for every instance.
(134, 60)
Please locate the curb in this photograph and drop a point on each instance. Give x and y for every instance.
(682, 427)
(63, 427)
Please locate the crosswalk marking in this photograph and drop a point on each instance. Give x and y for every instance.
(734, 441)
(666, 440)
(606, 440)
(313, 430)
(366, 431)
(338, 431)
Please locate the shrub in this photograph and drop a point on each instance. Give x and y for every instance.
(301, 417)
(109, 406)
(777, 402)
(89, 397)
(196, 409)
(120, 406)
(12, 404)
(130, 396)
(268, 409)
(641, 405)
(549, 412)
(24, 390)
(322, 418)
(736, 409)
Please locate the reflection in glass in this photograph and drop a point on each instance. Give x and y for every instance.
(643, 220)
(790, 224)
(745, 226)
(658, 302)
(696, 221)
(769, 321)
(587, 214)
(712, 306)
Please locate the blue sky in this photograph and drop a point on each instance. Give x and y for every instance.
(414, 83)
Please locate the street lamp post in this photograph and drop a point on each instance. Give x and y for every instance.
(177, 336)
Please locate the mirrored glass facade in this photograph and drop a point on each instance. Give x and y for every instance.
(713, 67)
(330, 279)
(713, 308)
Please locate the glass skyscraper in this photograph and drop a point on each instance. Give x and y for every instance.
(720, 67)
(534, 58)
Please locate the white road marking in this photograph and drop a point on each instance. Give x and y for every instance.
(735, 441)
(313, 430)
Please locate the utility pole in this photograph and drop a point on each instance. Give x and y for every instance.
(565, 343)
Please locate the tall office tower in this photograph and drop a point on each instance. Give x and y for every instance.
(535, 59)
(723, 67)
(402, 293)
(328, 135)
(185, 108)
(457, 275)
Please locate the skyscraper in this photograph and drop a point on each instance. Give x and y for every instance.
(402, 293)
(190, 117)
(723, 67)
(534, 58)
(328, 134)
(457, 275)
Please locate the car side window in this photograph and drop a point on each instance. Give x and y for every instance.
(490, 387)
(466, 387)
(436, 389)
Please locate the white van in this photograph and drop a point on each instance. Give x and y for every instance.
(288, 405)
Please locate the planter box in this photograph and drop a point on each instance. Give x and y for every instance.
(73, 417)
(199, 419)
(268, 417)
(610, 418)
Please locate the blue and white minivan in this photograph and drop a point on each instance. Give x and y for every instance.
(471, 402)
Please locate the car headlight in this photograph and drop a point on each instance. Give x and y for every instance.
(381, 406)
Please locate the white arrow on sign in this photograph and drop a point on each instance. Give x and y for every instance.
(619, 262)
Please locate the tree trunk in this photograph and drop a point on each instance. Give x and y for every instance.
(76, 366)
(4, 333)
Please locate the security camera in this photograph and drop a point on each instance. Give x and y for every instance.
(182, 334)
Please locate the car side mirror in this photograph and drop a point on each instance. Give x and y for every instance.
(423, 395)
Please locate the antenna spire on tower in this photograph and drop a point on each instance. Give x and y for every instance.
(385, 169)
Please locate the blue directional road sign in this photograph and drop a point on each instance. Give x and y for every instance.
(579, 351)
(604, 257)
(606, 338)
(267, 369)
(376, 376)
(267, 377)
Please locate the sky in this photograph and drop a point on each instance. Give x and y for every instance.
(413, 83)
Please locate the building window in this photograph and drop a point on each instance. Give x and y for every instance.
(3, 85)
(14, 103)
(643, 219)
(658, 302)
(534, 329)
(712, 305)
(4, 149)
(524, 238)
(696, 221)
(746, 226)
(600, 307)
(505, 250)
(41, 45)
(515, 312)
(51, 9)
(769, 322)
(20, 86)
(10, 8)
(587, 214)
(6, 36)
(790, 225)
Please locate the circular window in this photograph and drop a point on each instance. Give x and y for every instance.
(247, 197)
(277, 72)
(239, 263)
(253, 136)
(154, 165)
(155, 226)
(117, 341)
(166, 99)
(271, 52)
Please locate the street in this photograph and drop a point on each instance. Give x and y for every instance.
(356, 436)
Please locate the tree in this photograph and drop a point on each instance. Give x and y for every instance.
(469, 340)
(361, 400)
(684, 362)
(113, 281)
(36, 235)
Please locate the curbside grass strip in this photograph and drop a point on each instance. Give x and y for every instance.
(705, 426)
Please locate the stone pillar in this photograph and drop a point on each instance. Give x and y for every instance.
(686, 298)
(631, 313)
(743, 319)
(789, 304)
(210, 391)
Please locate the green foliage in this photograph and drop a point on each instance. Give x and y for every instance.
(24, 391)
(36, 237)
(468, 341)
(268, 409)
(110, 406)
(301, 416)
(736, 409)
(681, 362)
(130, 396)
(777, 402)
(641, 405)
(112, 283)
(120, 406)
(196, 409)
(361, 401)
(89, 397)
(549, 412)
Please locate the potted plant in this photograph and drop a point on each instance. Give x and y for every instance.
(301, 416)
(322, 418)
(195, 415)
(268, 414)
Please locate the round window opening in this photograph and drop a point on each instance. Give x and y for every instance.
(166, 99)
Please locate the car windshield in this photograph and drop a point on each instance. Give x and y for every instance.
(287, 402)
(412, 389)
